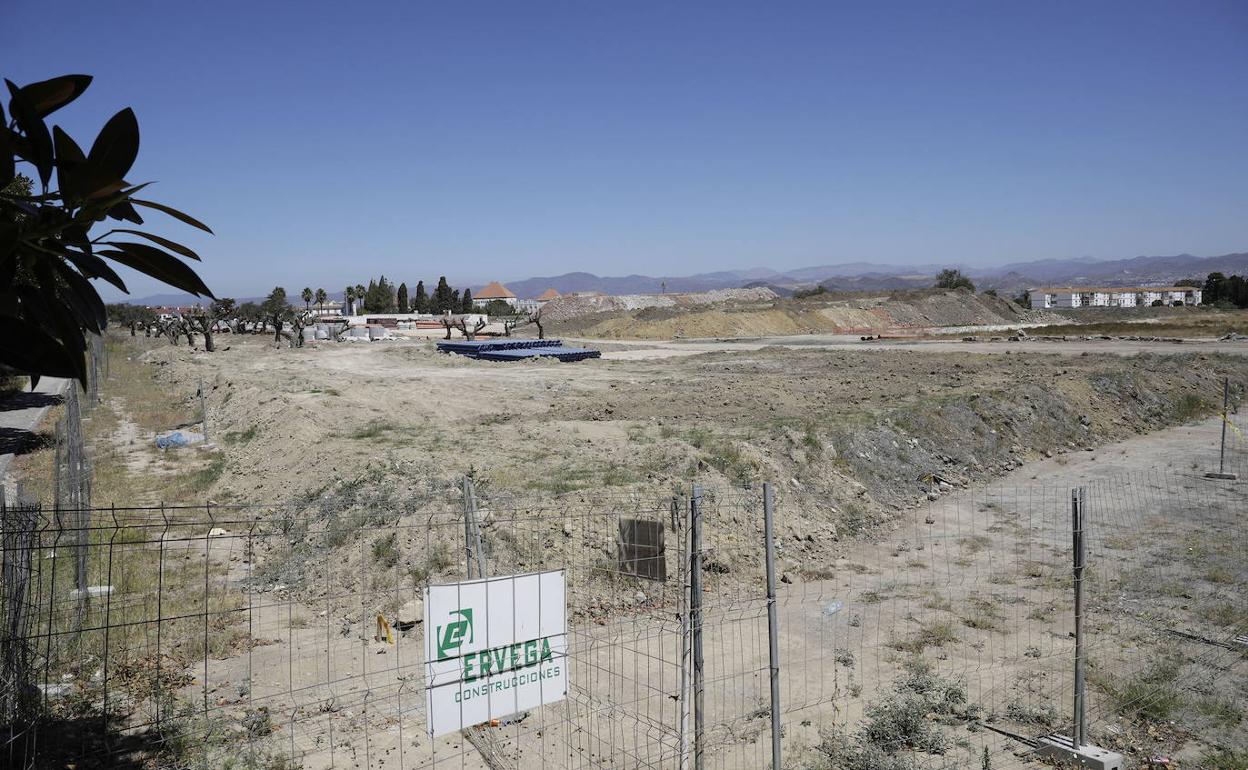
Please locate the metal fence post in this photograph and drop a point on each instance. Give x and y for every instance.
(203, 409)
(686, 557)
(473, 551)
(773, 627)
(467, 529)
(1078, 501)
(695, 621)
(1226, 402)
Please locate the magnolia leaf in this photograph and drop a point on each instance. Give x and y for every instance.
(93, 267)
(7, 167)
(158, 264)
(26, 347)
(115, 148)
(69, 164)
(188, 219)
(48, 96)
(168, 244)
(38, 145)
(125, 212)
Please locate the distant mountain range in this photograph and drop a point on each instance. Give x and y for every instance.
(865, 276)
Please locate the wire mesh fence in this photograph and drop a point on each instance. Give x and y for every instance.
(294, 635)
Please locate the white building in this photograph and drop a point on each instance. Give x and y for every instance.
(1116, 296)
(495, 291)
(330, 309)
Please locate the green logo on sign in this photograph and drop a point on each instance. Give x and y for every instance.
(454, 634)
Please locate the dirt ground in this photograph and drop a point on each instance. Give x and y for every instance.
(342, 441)
(292, 422)
(773, 316)
(975, 584)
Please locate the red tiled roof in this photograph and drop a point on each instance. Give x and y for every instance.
(549, 294)
(495, 290)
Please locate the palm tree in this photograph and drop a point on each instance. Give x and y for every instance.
(321, 296)
(348, 297)
(359, 293)
(307, 298)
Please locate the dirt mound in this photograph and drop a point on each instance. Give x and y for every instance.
(773, 316)
(576, 305)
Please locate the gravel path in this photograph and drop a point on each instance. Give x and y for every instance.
(20, 414)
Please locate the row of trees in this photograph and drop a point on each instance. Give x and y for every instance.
(1221, 289)
(381, 296)
(274, 314)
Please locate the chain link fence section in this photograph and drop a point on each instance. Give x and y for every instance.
(972, 595)
(293, 635)
(18, 522)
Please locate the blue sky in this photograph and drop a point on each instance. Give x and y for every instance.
(327, 142)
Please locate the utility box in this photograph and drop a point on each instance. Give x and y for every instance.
(641, 549)
(1062, 747)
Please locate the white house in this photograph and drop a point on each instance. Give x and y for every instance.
(1116, 296)
(495, 291)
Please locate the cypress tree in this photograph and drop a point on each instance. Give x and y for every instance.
(442, 299)
(403, 307)
(466, 306)
(421, 303)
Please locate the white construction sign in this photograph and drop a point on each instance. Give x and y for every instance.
(494, 647)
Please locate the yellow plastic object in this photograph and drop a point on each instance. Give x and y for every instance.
(383, 629)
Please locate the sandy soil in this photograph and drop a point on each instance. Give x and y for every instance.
(636, 350)
(293, 421)
(991, 561)
(337, 446)
(814, 315)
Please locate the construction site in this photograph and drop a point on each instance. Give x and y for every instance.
(846, 553)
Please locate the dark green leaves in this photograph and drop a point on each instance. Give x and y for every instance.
(158, 264)
(93, 267)
(7, 166)
(48, 258)
(114, 151)
(48, 96)
(28, 348)
(70, 164)
(188, 219)
(168, 244)
(37, 147)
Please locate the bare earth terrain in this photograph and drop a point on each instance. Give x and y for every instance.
(923, 489)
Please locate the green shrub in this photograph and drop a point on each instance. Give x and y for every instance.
(1224, 759)
(898, 723)
(386, 551)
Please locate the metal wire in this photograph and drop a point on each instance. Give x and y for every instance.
(190, 635)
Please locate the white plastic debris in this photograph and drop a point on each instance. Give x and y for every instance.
(91, 592)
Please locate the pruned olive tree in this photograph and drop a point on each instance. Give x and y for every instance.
(299, 320)
(49, 252)
(461, 323)
(535, 318)
(276, 311)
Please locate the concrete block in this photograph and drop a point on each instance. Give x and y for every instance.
(1087, 755)
(92, 592)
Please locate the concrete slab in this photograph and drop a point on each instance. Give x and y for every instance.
(1089, 756)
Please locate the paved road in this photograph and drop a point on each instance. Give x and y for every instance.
(20, 414)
